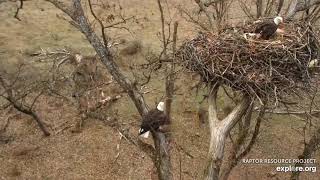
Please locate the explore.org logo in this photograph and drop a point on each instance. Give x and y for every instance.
(296, 169)
(278, 161)
(287, 165)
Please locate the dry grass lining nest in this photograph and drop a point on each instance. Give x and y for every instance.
(262, 68)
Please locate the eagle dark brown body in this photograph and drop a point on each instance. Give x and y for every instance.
(268, 29)
(153, 120)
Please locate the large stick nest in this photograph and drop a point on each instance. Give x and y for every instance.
(262, 68)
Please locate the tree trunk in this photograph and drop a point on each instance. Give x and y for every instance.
(309, 149)
(81, 22)
(232, 160)
(259, 5)
(300, 5)
(219, 131)
(162, 159)
(217, 142)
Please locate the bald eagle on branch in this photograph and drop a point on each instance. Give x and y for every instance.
(153, 121)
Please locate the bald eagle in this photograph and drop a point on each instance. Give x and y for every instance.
(267, 29)
(153, 120)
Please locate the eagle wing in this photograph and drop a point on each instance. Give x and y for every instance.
(261, 27)
(266, 29)
(154, 119)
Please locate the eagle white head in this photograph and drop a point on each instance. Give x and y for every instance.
(160, 106)
(277, 20)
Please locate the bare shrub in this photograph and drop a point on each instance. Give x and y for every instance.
(212, 15)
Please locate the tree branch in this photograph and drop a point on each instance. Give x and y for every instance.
(212, 99)
(104, 38)
(254, 135)
(203, 8)
(309, 149)
(236, 113)
(21, 106)
(300, 5)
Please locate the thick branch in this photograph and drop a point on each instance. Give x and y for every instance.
(162, 140)
(301, 5)
(170, 76)
(162, 159)
(212, 99)
(254, 136)
(309, 149)
(162, 29)
(219, 131)
(238, 143)
(236, 114)
(203, 8)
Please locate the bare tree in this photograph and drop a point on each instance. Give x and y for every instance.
(273, 7)
(309, 149)
(242, 144)
(79, 19)
(219, 130)
(17, 97)
(214, 12)
(205, 55)
(310, 7)
(262, 8)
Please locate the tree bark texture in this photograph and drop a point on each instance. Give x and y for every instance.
(219, 129)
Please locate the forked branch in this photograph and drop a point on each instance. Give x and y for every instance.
(219, 129)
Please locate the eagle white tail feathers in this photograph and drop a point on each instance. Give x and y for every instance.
(145, 135)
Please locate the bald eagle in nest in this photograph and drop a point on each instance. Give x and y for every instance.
(153, 120)
(265, 30)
